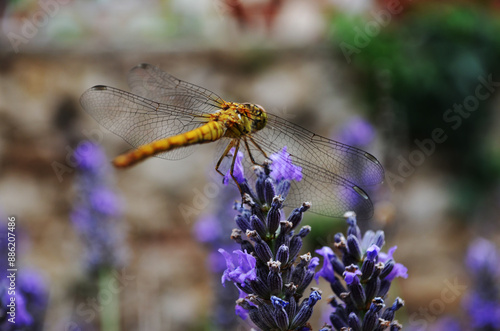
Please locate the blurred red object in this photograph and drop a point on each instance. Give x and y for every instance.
(251, 13)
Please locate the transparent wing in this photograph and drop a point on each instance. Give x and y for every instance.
(334, 174)
(152, 83)
(139, 120)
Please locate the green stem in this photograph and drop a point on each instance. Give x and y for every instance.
(110, 301)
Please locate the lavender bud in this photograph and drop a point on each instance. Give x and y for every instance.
(283, 188)
(291, 309)
(247, 199)
(258, 320)
(283, 254)
(367, 269)
(395, 326)
(260, 288)
(269, 191)
(354, 322)
(388, 314)
(371, 318)
(242, 223)
(389, 265)
(354, 247)
(267, 315)
(337, 322)
(308, 277)
(284, 235)
(337, 265)
(379, 239)
(299, 270)
(280, 314)
(274, 278)
(246, 246)
(372, 288)
(296, 216)
(353, 227)
(274, 215)
(259, 184)
(295, 246)
(306, 310)
(258, 226)
(337, 287)
(357, 293)
(304, 231)
(384, 288)
(262, 249)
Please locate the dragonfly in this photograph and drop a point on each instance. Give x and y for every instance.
(166, 117)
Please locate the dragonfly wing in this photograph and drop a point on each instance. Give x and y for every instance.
(353, 164)
(139, 120)
(333, 173)
(152, 83)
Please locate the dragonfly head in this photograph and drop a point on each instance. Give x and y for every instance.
(258, 116)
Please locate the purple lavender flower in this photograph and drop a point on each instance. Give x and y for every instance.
(367, 274)
(207, 229)
(95, 213)
(482, 256)
(398, 270)
(31, 295)
(483, 303)
(240, 267)
(282, 167)
(357, 132)
(272, 280)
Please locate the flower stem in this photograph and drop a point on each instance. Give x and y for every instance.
(110, 311)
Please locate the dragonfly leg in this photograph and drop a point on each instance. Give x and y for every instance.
(226, 151)
(250, 152)
(236, 148)
(258, 147)
(224, 154)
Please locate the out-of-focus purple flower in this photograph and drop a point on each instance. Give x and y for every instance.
(89, 156)
(483, 302)
(482, 256)
(445, 323)
(240, 267)
(399, 270)
(282, 167)
(207, 229)
(483, 312)
(357, 132)
(21, 315)
(30, 296)
(237, 170)
(105, 202)
(95, 213)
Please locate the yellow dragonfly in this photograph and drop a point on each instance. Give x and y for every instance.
(167, 117)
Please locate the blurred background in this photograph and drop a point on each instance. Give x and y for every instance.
(412, 82)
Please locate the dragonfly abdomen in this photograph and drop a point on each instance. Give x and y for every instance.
(209, 132)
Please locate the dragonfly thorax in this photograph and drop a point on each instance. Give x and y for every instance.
(242, 118)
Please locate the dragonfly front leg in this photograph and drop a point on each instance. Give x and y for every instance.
(258, 147)
(250, 153)
(224, 154)
(236, 145)
(231, 171)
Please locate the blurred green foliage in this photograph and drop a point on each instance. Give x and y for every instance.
(431, 57)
